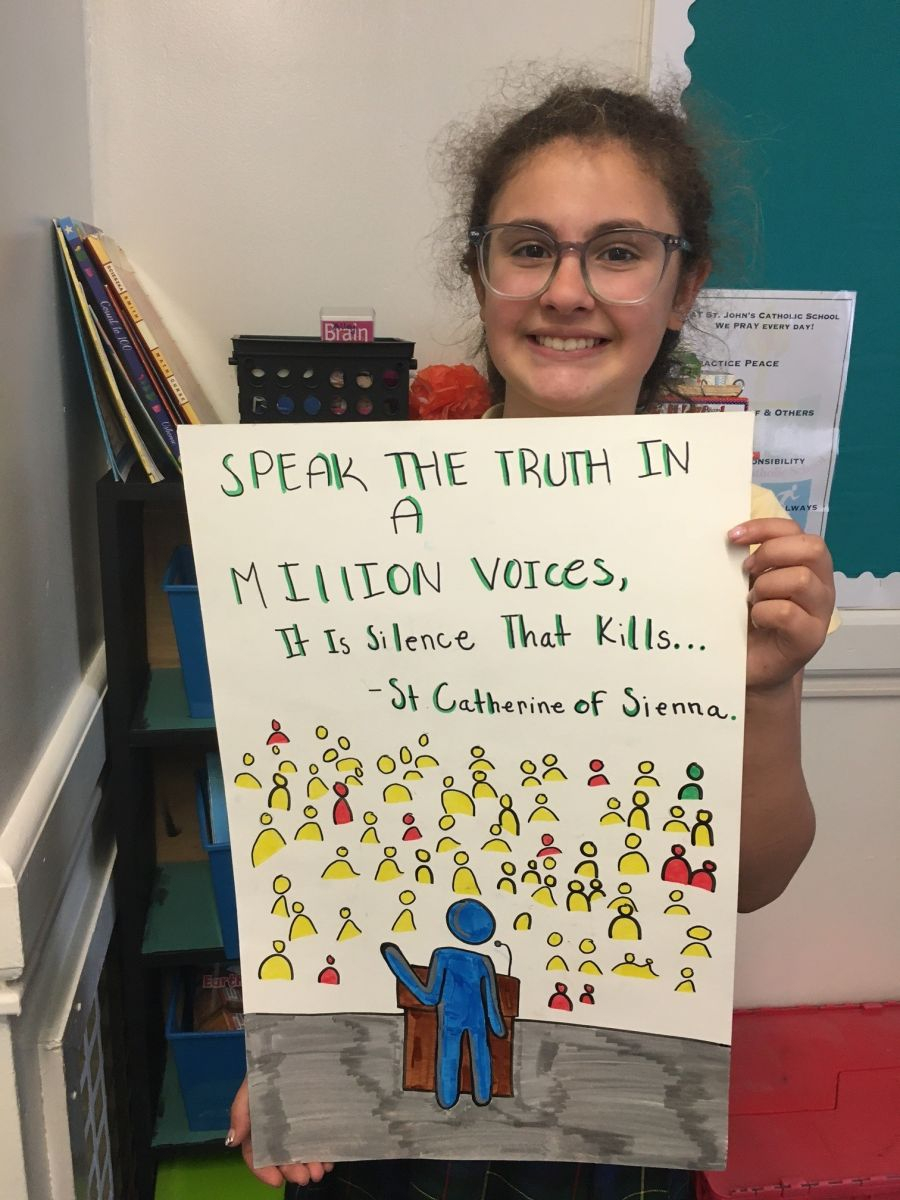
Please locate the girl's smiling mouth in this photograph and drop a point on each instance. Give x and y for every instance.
(568, 345)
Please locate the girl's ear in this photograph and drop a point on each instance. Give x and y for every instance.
(686, 294)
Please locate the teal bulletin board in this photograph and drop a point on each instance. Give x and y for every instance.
(809, 91)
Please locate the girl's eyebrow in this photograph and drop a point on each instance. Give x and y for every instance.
(600, 227)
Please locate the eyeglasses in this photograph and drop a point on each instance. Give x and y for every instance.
(619, 266)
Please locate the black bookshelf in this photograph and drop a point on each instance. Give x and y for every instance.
(165, 912)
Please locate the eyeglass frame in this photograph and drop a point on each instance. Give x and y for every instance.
(478, 235)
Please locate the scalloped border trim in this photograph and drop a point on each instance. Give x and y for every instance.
(867, 590)
(671, 34)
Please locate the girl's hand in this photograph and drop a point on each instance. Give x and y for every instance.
(239, 1135)
(791, 598)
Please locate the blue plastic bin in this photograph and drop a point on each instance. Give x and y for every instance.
(180, 585)
(216, 840)
(211, 1066)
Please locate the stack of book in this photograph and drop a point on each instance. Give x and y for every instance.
(141, 386)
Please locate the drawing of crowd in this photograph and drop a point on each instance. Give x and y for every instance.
(404, 824)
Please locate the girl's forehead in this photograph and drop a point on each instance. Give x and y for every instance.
(570, 183)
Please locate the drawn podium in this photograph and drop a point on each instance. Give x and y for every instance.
(420, 1040)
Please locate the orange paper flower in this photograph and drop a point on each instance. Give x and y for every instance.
(441, 393)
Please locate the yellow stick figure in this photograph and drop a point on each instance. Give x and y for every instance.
(481, 789)
(577, 901)
(507, 880)
(496, 843)
(675, 825)
(455, 801)
(405, 922)
(687, 982)
(541, 812)
(624, 927)
(698, 947)
(268, 842)
(556, 963)
(310, 830)
(479, 762)
(315, 788)
(676, 908)
(301, 926)
(340, 868)
(276, 966)
(349, 929)
(387, 869)
(588, 967)
(509, 822)
(397, 793)
(613, 817)
(424, 873)
(701, 832)
(245, 779)
(544, 894)
(637, 818)
(464, 881)
(634, 969)
(280, 885)
(279, 796)
(425, 761)
(552, 774)
(633, 863)
(370, 836)
(646, 778)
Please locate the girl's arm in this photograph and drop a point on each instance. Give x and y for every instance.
(791, 602)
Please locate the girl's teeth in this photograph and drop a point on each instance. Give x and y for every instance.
(555, 343)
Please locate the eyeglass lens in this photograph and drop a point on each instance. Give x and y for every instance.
(623, 266)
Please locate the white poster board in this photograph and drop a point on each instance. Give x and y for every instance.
(493, 666)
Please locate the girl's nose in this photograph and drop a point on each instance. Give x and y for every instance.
(567, 291)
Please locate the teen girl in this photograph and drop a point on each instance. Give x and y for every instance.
(587, 240)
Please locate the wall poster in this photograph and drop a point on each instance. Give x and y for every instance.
(783, 356)
(479, 693)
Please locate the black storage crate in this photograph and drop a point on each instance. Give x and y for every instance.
(306, 379)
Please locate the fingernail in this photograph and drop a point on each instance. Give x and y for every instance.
(736, 533)
(229, 1139)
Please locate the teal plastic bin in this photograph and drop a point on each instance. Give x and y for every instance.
(214, 835)
(180, 585)
(211, 1066)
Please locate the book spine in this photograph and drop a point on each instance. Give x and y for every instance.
(149, 368)
(100, 255)
(119, 335)
(153, 472)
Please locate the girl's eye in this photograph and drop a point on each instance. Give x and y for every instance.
(617, 255)
(531, 250)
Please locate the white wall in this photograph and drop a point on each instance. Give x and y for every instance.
(260, 160)
(49, 449)
(50, 457)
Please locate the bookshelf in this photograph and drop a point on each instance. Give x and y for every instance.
(166, 912)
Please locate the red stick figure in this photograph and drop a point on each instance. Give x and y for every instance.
(560, 999)
(676, 869)
(598, 778)
(411, 833)
(341, 814)
(547, 847)
(276, 737)
(587, 996)
(329, 974)
(703, 877)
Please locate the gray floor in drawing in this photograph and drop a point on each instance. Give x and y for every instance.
(328, 1088)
